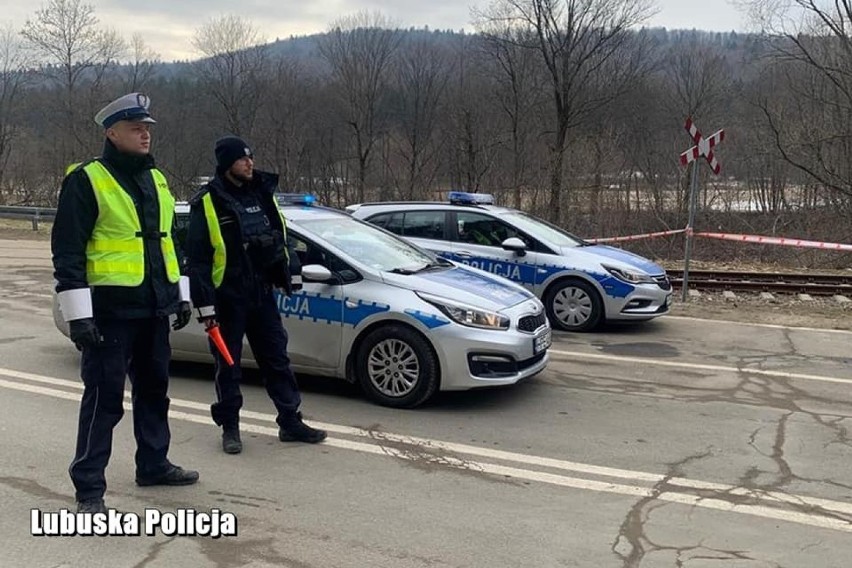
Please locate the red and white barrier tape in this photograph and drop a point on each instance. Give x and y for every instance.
(776, 241)
(758, 239)
(635, 237)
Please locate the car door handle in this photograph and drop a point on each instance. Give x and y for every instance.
(464, 254)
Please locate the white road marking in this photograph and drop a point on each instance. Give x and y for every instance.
(423, 447)
(766, 325)
(696, 366)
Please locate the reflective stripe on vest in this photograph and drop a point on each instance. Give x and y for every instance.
(115, 253)
(167, 217)
(218, 243)
(284, 227)
(216, 240)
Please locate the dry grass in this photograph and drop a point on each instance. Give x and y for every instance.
(22, 229)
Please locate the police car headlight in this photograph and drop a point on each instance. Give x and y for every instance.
(630, 276)
(467, 315)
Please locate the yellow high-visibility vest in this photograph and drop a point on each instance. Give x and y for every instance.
(115, 253)
(218, 243)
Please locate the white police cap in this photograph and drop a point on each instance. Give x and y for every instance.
(132, 107)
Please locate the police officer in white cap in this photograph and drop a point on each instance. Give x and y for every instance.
(118, 281)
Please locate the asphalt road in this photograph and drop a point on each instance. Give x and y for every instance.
(683, 442)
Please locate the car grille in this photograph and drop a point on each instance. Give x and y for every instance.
(501, 369)
(663, 282)
(531, 323)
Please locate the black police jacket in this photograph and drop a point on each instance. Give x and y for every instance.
(75, 220)
(247, 278)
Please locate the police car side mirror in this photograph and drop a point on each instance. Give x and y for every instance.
(317, 273)
(515, 245)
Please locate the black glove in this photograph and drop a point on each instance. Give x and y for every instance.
(184, 314)
(84, 333)
(280, 277)
(208, 322)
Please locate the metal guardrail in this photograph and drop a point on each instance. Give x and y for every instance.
(15, 212)
(36, 214)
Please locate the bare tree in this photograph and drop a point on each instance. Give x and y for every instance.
(699, 80)
(288, 118)
(650, 143)
(420, 76)
(766, 175)
(13, 79)
(471, 126)
(359, 49)
(184, 134)
(65, 36)
(812, 44)
(521, 83)
(143, 62)
(233, 65)
(590, 53)
(699, 75)
(99, 86)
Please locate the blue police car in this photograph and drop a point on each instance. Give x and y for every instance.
(581, 284)
(395, 318)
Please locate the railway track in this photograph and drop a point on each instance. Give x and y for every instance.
(781, 283)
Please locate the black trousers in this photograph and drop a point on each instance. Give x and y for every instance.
(138, 348)
(261, 324)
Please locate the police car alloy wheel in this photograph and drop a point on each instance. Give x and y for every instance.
(397, 367)
(573, 305)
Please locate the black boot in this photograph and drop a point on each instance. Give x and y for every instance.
(175, 475)
(95, 505)
(231, 443)
(294, 430)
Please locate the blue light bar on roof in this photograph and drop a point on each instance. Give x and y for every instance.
(295, 199)
(467, 198)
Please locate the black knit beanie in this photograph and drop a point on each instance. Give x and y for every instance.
(228, 150)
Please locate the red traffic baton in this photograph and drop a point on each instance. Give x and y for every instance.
(216, 337)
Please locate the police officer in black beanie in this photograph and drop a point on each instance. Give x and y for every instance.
(237, 250)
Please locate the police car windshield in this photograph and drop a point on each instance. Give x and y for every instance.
(542, 230)
(368, 245)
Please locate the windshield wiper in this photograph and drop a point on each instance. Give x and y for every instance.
(424, 268)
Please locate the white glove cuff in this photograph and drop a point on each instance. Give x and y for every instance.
(75, 304)
(183, 285)
(206, 311)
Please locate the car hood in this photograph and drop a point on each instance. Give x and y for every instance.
(620, 255)
(465, 285)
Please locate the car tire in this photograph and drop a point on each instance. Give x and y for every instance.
(573, 305)
(397, 367)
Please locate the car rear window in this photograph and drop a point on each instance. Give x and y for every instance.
(417, 224)
(424, 224)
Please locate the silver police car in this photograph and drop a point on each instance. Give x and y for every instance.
(581, 284)
(398, 320)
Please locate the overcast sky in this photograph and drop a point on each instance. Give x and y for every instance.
(168, 25)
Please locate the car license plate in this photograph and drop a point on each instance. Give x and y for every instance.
(541, 342)
(669, 301)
